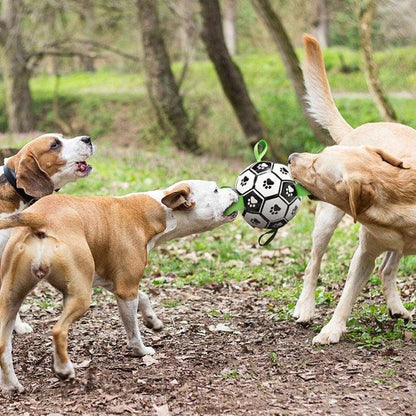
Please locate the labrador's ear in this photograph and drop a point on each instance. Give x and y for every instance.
(389, 158)
(361, 196)
(32, 178)
(177, 198)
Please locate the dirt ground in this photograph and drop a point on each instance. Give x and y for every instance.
(248, 364)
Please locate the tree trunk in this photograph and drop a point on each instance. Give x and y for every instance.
(188, 31)
(291, 62)
(321, 23)
(229, 74)
(230, 14)
(16, 74)
(162, 88)
(365, 15)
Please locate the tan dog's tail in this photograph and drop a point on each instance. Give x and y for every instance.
(318, 92)
(22, 219)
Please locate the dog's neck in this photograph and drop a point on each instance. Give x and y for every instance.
(11, 178)
(395, 202)
(10, 200)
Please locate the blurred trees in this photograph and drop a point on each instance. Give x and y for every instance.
(70, 35)
(365, 11)
(291, 62)
(162, 88)
(228, 72)
(15, 70)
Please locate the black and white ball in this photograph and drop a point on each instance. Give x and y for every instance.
(269, 195)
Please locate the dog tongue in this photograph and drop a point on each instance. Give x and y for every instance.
(82, 166)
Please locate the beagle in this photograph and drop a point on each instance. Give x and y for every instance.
(43, 165)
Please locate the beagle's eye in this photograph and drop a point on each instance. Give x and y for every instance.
(216, 191)
(56, 145)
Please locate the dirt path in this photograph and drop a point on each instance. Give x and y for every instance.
(221, 353)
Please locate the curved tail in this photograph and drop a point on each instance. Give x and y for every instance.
(22, 219)
(318, 92)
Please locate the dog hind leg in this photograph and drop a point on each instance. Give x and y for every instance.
(11, 297)
(388, 273)
(75, 305)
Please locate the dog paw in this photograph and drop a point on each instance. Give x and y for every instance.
(153, 323)
(64, 371)
(142, 351)
(21, 328)
(304, 312)
(401, 313)
(8, 390)
(330, 334)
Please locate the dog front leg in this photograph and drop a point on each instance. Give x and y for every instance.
(128, 313)
(362, 265)
(388, 273)
(327, 218)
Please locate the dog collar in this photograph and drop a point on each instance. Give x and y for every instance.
(11, 178)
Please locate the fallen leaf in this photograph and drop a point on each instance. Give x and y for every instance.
(162, 410)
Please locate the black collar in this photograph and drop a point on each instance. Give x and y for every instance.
(11, 177)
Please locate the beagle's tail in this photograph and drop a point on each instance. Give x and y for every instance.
(318, 92)
(22, 219)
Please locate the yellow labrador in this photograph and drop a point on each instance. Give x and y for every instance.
(395, 138)
(378, 190)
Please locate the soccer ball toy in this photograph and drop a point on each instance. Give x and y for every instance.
(269, 194)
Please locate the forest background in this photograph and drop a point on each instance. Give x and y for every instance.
(142, 72)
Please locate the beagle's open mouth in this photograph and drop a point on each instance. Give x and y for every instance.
(83, 169)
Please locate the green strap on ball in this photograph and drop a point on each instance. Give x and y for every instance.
(260, 149)
(301, 191)
(237, 206)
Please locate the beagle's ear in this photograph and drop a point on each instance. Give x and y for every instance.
(361, 196)
(176, 198)
(32, 179)
(387, 157)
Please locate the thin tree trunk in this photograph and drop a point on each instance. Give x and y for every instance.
(16, 74)
(230, 14)
(365, 15)
(162, 88)
(228, 72)
(321, 23)
(291, 62)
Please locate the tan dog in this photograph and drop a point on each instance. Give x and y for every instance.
(395, 138)
(378, 190)
(45, 164)
(75, 242)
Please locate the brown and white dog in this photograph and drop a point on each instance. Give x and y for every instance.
(395, 138)
(43, 165)
(77, 242)
(378, 190)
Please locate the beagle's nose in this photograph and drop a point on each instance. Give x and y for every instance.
(86, 139)
(292, 157)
